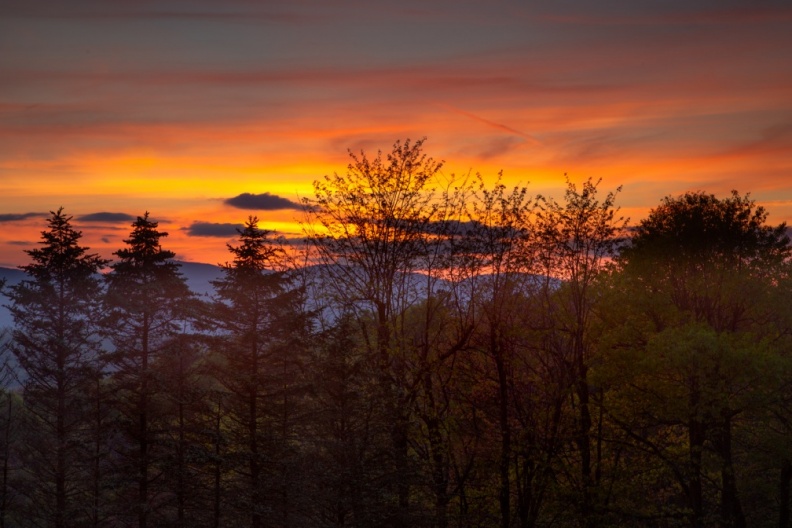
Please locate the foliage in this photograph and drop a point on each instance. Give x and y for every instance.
(259, 314)
(478, 357)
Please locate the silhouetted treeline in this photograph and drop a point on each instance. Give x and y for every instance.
(441, 353)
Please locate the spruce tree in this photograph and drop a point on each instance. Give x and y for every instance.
(260, 323)
(146, 304)
(56, 344)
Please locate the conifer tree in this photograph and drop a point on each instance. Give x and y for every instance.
(147, 305)
(56, 345)
(260, 319)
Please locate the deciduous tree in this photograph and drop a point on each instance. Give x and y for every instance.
(696, 285)
(382, 232)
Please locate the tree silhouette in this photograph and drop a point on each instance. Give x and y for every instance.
(259, 317)
(382, 232)
(576, 239)
(56, 344)
(146, 306)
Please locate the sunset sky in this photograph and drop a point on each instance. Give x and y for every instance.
(182, 107)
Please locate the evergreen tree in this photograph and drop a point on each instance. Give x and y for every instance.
(147, 303)
(56, 345)
(261, 322)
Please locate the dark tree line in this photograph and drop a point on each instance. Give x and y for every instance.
(453, 354)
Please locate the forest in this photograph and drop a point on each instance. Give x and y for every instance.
(434, 352)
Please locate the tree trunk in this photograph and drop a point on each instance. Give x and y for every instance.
(217, 466)
(783, 494)
(143, 447)
(60, 450)
(504, 497)
(6, 458)
(731, 509)
(255, 467)
(695, 449)
(583, 436)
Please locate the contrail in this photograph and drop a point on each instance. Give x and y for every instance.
(504, 128)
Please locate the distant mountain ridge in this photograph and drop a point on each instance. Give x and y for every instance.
(199, 278)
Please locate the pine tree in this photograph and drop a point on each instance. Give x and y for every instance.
(56, 344)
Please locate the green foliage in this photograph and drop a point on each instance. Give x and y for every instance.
(692, 356)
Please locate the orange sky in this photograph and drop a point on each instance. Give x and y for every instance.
(177, 106)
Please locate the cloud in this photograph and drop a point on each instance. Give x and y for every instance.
(20, 216)
(261, 202)
(498, 126)
(209, 229)
(106, 217)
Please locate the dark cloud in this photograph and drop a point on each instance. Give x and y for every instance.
(106, 217)
(20, 216)
(209, 229)
(261, 202)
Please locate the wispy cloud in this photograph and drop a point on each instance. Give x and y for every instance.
(498, 126)
(20, 216)
(212, 12)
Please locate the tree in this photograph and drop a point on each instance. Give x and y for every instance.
(56, 343)
(182, 373)
(575, 241)
(382, 232)
(701, 252)
(342, 435)
(499, 241)
(11, 422)
(262, 328)
(146, 305)
(698, 281)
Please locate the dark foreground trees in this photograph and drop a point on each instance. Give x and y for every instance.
(472, 357)
(259, 367)
(383, 233)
